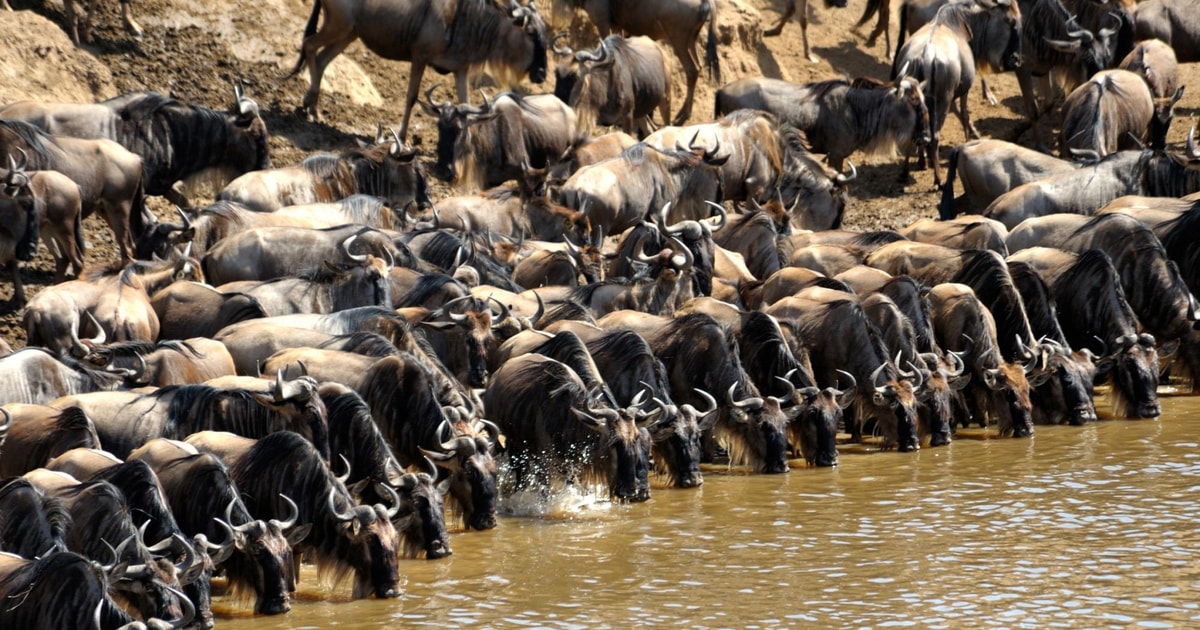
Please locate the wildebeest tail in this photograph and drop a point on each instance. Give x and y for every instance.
(946, 206)
(26, 247)
(310, 29)
(709, 10)
(871, 9)
(79, 233)
(139, 216)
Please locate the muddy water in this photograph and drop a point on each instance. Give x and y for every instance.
(1079, 527)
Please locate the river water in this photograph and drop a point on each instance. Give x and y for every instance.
(1079, 527)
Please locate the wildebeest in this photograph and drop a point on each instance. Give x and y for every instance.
(489, 145)
(192, 309)
(677, 23)
(109, 176)
(37, 434)
(30, 203)
(1155, 62)
(111, 301)
(1111, 111)
(269, 253)
(510, 39)
(1089, 299)
(214, 223)
(176, 412)
(839, 117)
(620, 83)
(387, 170)
(177, 141)
(945, 55)
(63, 590)
(617, 193)
(346, 538)
(989, 168)
(332, 287)
(172, 362)
(255, 554)
(558, 431)
(1174, 23)
(34, 376)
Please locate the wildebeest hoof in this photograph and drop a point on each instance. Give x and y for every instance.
(773, 32)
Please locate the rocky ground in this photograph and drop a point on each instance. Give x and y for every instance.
(196, 51)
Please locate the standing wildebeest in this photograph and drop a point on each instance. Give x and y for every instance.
(620, 83)
(1155, 61)
(177, 142)
(109, 176)
(37, 434)
(675, 22)
(256, 554)
(176, 412)
(29, 203)
(1174, 22)
(489, 145)
(555, 430)
(839, 117)
(944, 55)
(989, 168)
(346, 538)
(387, 170)
(1111, 111)
(509, 39)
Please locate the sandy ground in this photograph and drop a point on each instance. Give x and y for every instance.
(197, 50)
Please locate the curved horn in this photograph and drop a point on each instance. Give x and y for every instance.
(448, 443)
(541, 309)
(290, 521)
(345, 246)
(342, 518)
(846, 178)
(571, 247)
(345, 462)
(845, 396)
(429, 98)
(565, 51)
(433, 469)
(724, 216)
(956, 357)
(920, 376)
(504, 312)
(1109, 32)
(189, 609)
(791, 395)
(688, 259)
(100, 337)
(395, 498)
(1192, 152)
(277, 392)
(491, 429)
(744, 403)
(875, 377)
(708, 398)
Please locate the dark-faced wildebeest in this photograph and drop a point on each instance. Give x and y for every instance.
(620, 83)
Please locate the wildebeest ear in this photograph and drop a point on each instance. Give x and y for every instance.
(298, 533)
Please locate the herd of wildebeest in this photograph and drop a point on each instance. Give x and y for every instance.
(323, 362)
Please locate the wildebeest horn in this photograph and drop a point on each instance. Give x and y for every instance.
(875, 377)
(1192, 152)
(277, 391)
(920, 376)
(844, 178)
(444, 429)
(565, 51)
(345, 462)
(504, 312)
(956, 357)
(688, 259)
(429, 98)
(752, 402)
(100, 337)
(12, 165)
(218, 553)
(846, 395)
(721, 213)
(708, 398)
(571, 247)
(187, 223)
(1085, 156)
(903, 71)
(349, 516)
(395, 498)
(397, 146)
(541, 310)
(189, 609)
(433, 469)
(288, 522)
(359, 258)
(1109, 32)
(7, 421)
(791, 395)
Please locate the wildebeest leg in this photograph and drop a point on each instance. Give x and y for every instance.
(18, 289)
(4, 5)
(987, 92)
(118, 221)
(804, 32)
(333, 36)
(72, 21)
(410, 99)
(964, 116)
(131, 25)
(691, 71)
(788, 11)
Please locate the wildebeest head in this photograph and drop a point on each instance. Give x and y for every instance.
(1068, 377)
(1015, 412)
(936, 414)
(473, 319)
(1134, 365)
(995, 32)
(1164, 114)
(1092, 52)
(373, 542)
(527, 41)
(910, 110)
(756, 432)
(265, 549)
(676, 439)
(452, 123)
(18, 209)
(625, 443)
(696, 236)
(249, 149)
(815, 426)
(469, 462)
(816, 199)
(421, 518)
(898, 394)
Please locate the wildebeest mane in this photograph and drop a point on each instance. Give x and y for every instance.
(365, 209)
(832, 283)
(568, 349)
(442, 249)
(987, 274)
(565, 310)
(627, 356)
(284, 463)
(428, 286)
(906, 293)
(354, 435)
(31, 524)
(99, 515)
(368, 344)
(333, 175)
(1178, 238)
(144, 497)
(36, 143)
(765, 354)
(1039, 302)
(59, 591)
(1079, 289)
(401, 393)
